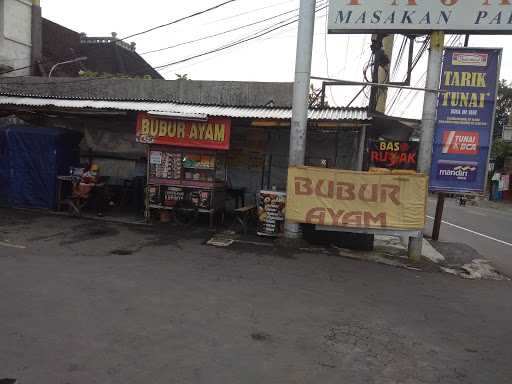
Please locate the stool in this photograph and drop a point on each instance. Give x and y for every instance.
(243, 215)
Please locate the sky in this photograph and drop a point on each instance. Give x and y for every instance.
(268, 58)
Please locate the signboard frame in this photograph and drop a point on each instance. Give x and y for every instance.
(492, 122)
(357, 200)
(471, 17)
(178, 132)
(402, 156)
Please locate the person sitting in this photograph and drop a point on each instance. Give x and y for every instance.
(88, 188)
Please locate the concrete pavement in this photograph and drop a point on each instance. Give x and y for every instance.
(88, 302)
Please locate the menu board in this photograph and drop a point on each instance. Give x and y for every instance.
(165, 165)
(271, 213)
(201, 199)
(154, 195)
(171, 195)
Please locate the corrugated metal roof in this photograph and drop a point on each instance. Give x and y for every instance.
(325, 114)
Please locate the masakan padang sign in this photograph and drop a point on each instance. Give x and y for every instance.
(371, 16)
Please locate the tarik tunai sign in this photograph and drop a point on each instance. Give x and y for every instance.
(461, 16)
(465, 120)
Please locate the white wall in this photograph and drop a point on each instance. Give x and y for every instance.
(15, 35)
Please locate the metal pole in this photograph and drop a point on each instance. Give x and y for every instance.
(361, 149)
(435, 60)
(439, 216)
(438, 220)
(78, 59)
(466, 40)
(299, 123)
(36, 38)
(322, 101)
(380, 85)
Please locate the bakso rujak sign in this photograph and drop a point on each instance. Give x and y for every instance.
(371, 16)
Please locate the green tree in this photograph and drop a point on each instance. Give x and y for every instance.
(503, 107)
(500, 149)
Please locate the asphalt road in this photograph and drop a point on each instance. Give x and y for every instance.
(85, 302)
(487, 230)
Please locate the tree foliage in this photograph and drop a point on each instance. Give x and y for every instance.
(500, 149)
(503, 107)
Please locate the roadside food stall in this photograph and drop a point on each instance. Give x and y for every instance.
(186, 168)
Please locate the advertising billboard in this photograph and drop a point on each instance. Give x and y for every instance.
(212, 134)
(394, 200)
(465, 119)
(395, 16)
(393, 154)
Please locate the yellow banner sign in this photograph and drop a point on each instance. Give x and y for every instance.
(356, 199)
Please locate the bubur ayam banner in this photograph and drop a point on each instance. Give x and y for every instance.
(215, 133)
(393, 154)
(465, 120)
(394, 200)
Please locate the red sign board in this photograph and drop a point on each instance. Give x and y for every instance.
(393, 154)
(212, 134)
(461, 142)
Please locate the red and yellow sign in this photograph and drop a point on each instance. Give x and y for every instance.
(213, 134)
(356, 199)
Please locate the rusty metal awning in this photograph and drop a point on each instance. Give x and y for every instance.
(324, 114)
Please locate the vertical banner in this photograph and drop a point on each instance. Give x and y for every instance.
(271, 210)
(465, 120)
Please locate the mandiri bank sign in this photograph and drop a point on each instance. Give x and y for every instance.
(461, 16)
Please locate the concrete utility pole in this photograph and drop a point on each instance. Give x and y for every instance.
(435, 59)
(299, 124)
(384, 73)
(36, 37)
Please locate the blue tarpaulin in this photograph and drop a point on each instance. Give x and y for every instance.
(31, 158)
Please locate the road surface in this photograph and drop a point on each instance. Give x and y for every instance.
(487, 230)
(86, 302)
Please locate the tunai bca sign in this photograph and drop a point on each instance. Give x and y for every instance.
(461, 16)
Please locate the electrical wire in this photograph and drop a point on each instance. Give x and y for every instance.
(179, 20)
(347, 46)
(263, 32)
(452, 42)
(215, 56)
(249, 12)
(416, 60)
(258, 34)
(15, 70)
(327, 54)
(399, 56)
(217, 34)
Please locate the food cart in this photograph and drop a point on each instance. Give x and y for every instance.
(186, 164)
